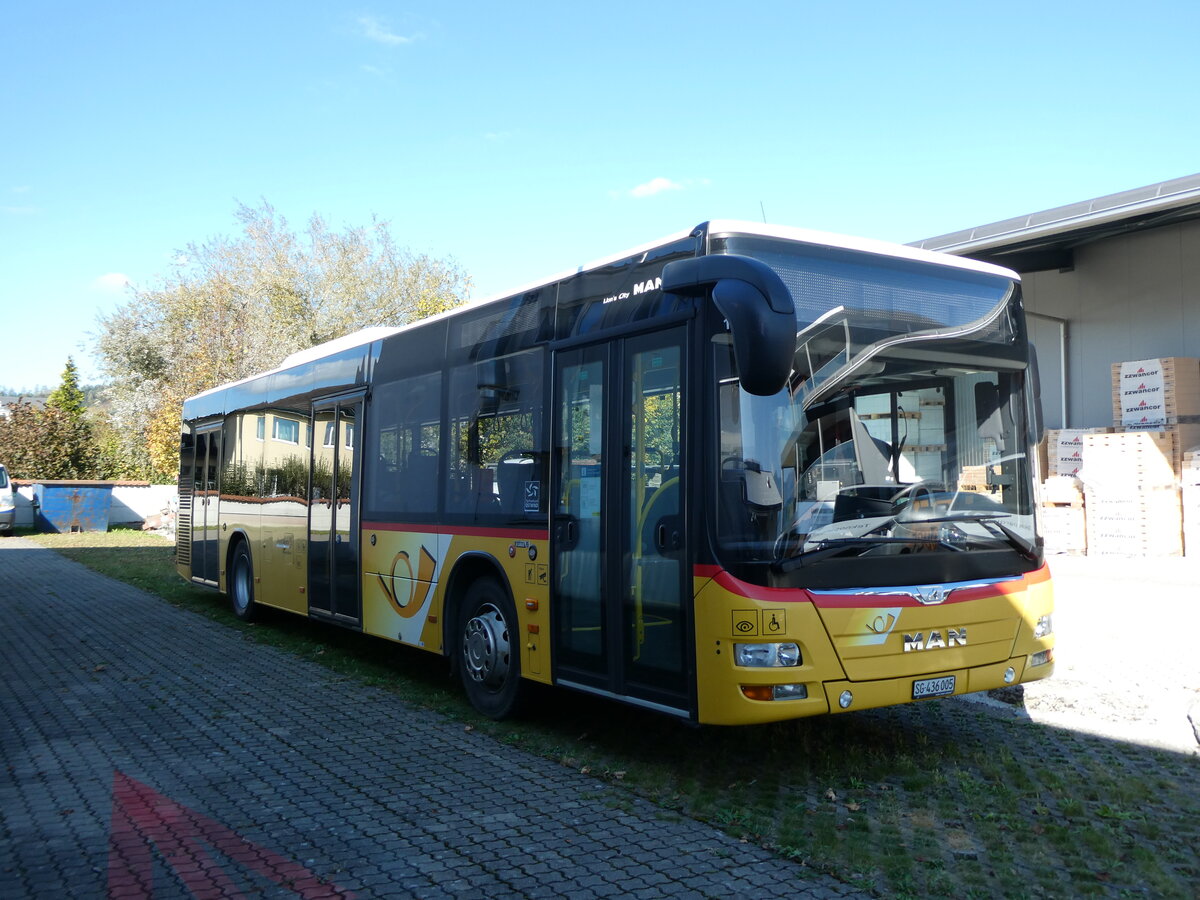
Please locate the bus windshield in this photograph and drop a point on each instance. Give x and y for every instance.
(899, 450)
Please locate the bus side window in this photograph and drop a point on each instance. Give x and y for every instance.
(403, 438)
(496, 460)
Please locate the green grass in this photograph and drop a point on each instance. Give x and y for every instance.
(932, 799)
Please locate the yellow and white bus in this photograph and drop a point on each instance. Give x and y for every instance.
(742, 474)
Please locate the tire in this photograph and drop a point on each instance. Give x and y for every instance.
(241, 584)
(489, 650)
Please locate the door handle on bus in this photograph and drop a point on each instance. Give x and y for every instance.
(566, 532)
(668, 535)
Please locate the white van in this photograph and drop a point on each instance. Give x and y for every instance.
(8, 508)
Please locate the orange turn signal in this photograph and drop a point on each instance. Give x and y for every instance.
(758, 691)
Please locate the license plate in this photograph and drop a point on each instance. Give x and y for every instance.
(933, 687)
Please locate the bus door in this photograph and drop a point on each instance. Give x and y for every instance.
(622, 615)
(333, 511)
(206, 466)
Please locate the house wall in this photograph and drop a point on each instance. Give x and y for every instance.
(1131, 297)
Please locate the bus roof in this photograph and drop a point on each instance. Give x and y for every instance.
(759, 229)
(713, 227)
(847, 242)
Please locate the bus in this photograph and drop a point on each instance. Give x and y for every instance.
(743, 474)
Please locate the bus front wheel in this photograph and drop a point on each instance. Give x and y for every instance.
(241, 583)
(489, 653)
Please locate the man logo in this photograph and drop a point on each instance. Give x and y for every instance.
(955, 637)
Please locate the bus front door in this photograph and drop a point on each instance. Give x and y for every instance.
(622, 616)
(333, 512)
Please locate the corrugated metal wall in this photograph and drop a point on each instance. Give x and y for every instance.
(1130, 297)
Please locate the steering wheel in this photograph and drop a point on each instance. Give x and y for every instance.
(516, 454)
(910, 495)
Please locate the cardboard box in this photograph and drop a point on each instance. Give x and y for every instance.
(1156, 392)
(1064, 448)
(1128, 461)
(1146, 523)
(1064, 529)
(1190, 501)
(1062, 490)
(1182, 437)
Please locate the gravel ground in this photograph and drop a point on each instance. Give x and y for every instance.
(1126, 662)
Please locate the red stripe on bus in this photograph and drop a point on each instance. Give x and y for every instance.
(453, 530)
(758, 592)
(865, 600)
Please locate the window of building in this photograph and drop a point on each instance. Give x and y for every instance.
(285, 430)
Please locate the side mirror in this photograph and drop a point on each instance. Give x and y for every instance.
(987, 411)
(756, 304)
(1035, 396)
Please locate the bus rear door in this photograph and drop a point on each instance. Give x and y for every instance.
(333, 512)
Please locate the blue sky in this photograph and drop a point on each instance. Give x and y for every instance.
(522, 139)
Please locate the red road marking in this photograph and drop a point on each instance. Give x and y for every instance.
(144, 821)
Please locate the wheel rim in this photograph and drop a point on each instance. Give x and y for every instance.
(241, 583)
(486, 649)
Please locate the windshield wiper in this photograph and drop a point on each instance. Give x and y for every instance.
(1014, 540)
(834, 546)
(989, 521)
(964, 516)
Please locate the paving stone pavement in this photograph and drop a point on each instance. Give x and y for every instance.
(148, 752)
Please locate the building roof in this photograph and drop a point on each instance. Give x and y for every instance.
(37, 401)
(1047, 239)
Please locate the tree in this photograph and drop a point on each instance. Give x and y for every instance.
(46, 443)
(231, 307)
(53, 442)
(68, 397)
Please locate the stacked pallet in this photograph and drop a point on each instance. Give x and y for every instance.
(1064, 448)
(1156, 393)
(973, 480)
(1190, 497)
(1132, 494)
(1159, 395)
(1063, 521)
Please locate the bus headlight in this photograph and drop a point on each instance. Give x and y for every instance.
(766, 655)
(1044, 626)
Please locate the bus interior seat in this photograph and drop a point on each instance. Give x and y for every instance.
(511, 476)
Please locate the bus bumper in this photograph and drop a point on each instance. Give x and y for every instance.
(848, 696)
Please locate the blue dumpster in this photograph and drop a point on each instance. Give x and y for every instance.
(64, 506)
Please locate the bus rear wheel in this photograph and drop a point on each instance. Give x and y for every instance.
(489, 653)
(241, 583)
